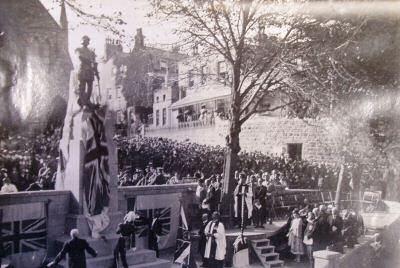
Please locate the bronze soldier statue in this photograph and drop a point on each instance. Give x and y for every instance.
(87, 72)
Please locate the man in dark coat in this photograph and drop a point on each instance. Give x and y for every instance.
(321, 232)
(126, 230)
(155, 231)
(75, 248)
(203, 238)
(260, 192)
(335, 222)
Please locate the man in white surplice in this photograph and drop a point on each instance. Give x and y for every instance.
(215, 251)
(243, 192)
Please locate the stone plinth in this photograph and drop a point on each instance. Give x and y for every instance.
(326, 259)
(76, 132)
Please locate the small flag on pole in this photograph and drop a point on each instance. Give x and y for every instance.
(183, 244)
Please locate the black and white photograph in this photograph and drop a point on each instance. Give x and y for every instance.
(199, 133)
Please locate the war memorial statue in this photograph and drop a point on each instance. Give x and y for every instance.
(87, 72)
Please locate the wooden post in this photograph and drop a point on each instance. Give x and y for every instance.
(339, 187)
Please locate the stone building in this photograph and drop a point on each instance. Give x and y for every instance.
(35, 64)
(201, 115)
(130, 80)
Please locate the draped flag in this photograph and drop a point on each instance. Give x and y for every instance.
(96, 172)
(24, 231)
(166, 206)
(142, 226)
(183, 244)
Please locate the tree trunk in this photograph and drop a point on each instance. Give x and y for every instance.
(231, 161)
(233, 144)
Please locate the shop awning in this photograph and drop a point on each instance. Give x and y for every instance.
(205, 93)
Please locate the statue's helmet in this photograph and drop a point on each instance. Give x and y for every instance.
(85, 38)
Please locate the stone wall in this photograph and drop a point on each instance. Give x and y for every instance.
(59, 205)
(265, 134)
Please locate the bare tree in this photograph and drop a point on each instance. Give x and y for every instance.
(267, 53)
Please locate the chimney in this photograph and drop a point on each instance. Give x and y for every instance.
(139, 39)
(112, 47)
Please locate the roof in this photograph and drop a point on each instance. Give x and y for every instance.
(207, 92)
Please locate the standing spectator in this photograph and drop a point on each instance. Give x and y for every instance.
(270, 188)
(200, 192)
(296, 236)
(321, 233)
(75, 248)
(260, 193)
(203, 238)
(335, 227)
(216, 242)
(155, 230)
(308, 233)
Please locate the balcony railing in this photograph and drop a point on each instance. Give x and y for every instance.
(208, 121)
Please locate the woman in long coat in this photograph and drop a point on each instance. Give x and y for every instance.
(295, 235)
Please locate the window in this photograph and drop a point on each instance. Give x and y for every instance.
(163, 66)
(163, 97)
(203, 74)
(164, 116)
(157, 99)
(157, 117)
(190, 78)
(222, 71)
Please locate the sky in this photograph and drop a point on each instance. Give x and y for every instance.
(133, 13)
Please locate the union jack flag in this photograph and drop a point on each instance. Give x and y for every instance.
(96, 169)
(142, 224)
(24, 236)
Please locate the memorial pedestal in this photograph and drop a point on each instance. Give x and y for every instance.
(326, 259)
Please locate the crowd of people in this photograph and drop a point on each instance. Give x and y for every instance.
(310, 227)
(145, 157)
(29, 162)
(313, 228)
(155, 161)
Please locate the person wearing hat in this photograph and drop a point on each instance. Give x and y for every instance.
(87, 71)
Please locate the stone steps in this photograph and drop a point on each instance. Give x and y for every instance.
(139, 258)
(266, 249)
(266, 253)
(155, 264)
(273, 264)
(261, 242)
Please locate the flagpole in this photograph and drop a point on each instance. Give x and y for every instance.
(243, 200)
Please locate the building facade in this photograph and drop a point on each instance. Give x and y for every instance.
(133, 80)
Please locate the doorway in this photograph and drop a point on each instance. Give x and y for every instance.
(295, 150)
